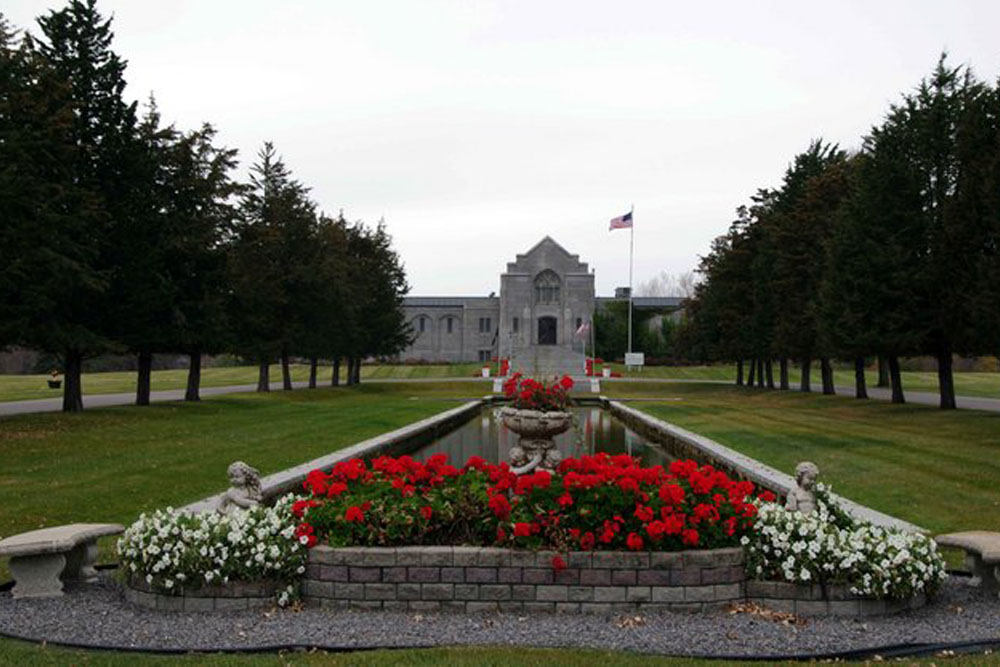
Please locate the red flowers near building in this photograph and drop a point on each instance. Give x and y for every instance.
(530, 394)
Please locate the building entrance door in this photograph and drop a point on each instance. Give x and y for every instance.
(546, 331)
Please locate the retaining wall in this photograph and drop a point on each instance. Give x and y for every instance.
(231, 597)
(477, 579)
(815, 600)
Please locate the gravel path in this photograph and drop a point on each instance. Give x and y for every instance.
(98, 615)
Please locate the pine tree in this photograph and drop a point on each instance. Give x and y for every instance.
(77, 48)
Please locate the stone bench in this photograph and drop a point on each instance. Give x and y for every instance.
(982, 554)
(41, 559)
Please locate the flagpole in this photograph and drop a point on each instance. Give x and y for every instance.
(631, 247)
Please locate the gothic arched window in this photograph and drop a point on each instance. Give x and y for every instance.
(547, 287)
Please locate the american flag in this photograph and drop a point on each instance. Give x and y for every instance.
(622, 221)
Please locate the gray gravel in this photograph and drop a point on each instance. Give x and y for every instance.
(98, 615)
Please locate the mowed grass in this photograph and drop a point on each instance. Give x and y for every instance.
(981, 384)
(21, 653)
(938, 469)
(111, 464)
(27, 387)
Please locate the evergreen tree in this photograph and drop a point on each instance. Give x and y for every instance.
(275, 230)
(77, 47)
(201, 217)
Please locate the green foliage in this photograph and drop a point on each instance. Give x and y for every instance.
(890, 252)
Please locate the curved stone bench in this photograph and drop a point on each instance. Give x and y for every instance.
(41, 559)
(982, 554)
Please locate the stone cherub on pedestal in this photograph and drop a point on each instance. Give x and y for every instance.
(245, 490)
(803, 497)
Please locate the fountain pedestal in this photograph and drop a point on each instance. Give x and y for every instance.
(536, 448)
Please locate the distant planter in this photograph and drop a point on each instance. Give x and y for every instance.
(55, 384)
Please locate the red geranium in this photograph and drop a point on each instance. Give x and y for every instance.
(633, 541)
(354, 514)
(522, 529)
(427, 512)
(500, 506)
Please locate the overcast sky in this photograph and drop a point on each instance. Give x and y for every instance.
(476, 128)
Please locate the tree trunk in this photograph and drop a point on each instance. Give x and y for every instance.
(826, 370)
(264, 375)
(783, 372)
(805, 384)
(194, 378)
(72, 386)
(760, 373)
(946, 379)
(860, 388)
(313, 362)
(286, 372)
(739, 372)
(357, 371)
(769, 370)
(335, 376)
(883, 372)
(143, 380)
(753, 372)
(896, 380)
(350, 371)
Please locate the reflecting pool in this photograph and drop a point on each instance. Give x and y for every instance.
(594, 430)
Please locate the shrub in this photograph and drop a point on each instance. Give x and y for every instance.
(831, 547)
(172, 550)
(595, 502)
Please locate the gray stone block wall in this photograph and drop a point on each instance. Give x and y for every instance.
(475, 579)
(232, 597)
(815, 600)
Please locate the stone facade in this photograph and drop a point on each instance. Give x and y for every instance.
(545, 295)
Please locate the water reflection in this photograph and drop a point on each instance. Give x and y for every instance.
(594, 430)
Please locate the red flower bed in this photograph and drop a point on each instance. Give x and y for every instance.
(530, 394)
(595, 502)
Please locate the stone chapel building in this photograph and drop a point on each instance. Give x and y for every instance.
(546, 294)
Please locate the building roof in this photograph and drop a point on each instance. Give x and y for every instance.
(443, 301)
(648, 301)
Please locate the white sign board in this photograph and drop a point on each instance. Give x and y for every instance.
(635, 359)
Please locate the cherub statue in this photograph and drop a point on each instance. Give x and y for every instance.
(245, 490)
(552, 459)
(803, 497)
(518, 457)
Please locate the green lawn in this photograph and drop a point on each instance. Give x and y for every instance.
(938, 469)
(27, 387)
(21, 653)
(986, 384)
(111, 464)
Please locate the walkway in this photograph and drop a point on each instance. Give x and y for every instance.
(107, 400)
(918, 397)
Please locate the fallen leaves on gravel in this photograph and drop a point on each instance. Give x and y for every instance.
(755, 609)
(631, 621)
